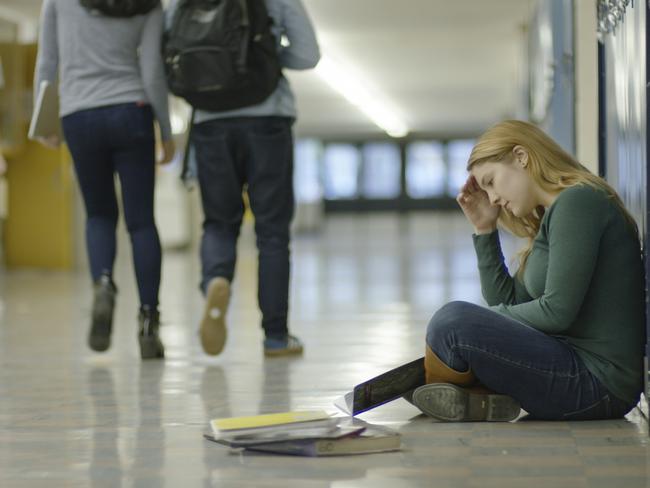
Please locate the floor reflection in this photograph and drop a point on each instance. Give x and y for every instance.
(216, 404)
(105, 465)
(149, 444)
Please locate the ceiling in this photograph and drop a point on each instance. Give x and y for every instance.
(449, 67)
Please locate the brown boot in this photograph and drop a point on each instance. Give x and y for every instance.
(436, 371)
(453, 396)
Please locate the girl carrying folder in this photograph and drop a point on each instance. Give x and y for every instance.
(111, 90)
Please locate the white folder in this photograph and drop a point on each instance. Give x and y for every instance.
(45, 118)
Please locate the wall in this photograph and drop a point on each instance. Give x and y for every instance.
(40, 226)
(625, 61)
(551, 75)
(586, 76)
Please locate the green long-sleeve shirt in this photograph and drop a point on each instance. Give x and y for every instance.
(583, 281)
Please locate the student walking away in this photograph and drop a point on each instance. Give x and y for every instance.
(106, 56)
(563, 337)
(242, 137)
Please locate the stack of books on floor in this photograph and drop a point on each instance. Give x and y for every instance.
(303, 433)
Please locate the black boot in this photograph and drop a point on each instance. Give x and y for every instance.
(99, 337)
(150, 345)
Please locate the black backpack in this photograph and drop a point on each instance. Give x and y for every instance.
(120, 8)
(221, 54)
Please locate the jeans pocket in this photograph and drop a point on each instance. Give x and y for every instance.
(600, 410)
(134, 123)
(212, 153)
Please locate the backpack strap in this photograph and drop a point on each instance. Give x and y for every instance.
(245, 25)
(188, 144)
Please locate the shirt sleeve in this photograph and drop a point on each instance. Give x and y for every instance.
(575, 227)
(302, 51)
(497, 285)
(47, 59)
(152, 70)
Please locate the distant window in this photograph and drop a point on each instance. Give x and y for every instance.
(425, 170)
(459, 152)
(341, 164)
(306, 177)
(381, 170)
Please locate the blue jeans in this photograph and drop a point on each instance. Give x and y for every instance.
(255, 153)
(542, 372)
(105, 141)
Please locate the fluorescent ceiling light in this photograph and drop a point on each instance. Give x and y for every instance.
(359, 94)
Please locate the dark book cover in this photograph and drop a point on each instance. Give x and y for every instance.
(381, 389)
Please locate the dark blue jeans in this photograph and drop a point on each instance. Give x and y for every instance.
(255, 153)
(542, 372)
(105, 141)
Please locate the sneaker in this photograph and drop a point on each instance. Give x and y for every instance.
(151, 347)
(282, 347)
(101, 325)
(213, 323)
(451, 403)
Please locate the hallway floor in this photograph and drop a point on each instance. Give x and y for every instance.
(362, 293)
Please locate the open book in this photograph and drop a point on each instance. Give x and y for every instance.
(45, 118)
(383, 388)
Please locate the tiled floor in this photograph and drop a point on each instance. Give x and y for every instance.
(362, 294)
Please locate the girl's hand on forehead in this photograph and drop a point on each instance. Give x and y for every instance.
(475, 204)
(470, 187)
(472, 184)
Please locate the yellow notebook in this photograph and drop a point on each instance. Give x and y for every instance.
(255, 423)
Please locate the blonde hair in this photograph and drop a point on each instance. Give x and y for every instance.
(550, 166)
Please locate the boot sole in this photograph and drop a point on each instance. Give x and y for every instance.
(213, 329)
(99, 338)
(451, 403)
(151, 348)
(283, 352)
